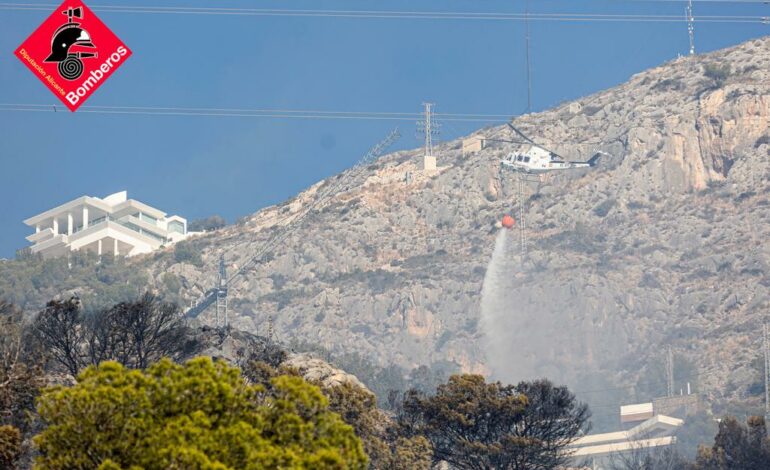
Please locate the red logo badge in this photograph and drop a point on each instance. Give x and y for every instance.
(73, 53)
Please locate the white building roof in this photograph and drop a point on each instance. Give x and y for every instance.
(114, 204)
(113, 224)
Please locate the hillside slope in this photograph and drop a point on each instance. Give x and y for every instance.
(662, 245)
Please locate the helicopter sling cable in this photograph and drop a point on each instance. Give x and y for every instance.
(537, 161)
(344, 183)
(521, 180)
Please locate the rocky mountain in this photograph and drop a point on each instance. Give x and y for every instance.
(664, 244)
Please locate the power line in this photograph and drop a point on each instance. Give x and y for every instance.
(256, 113)
(698, 1)
(385, 14)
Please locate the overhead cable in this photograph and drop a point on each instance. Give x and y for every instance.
(254, 113)
(388, 14)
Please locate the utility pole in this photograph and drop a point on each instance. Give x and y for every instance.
(691, 27)
(670, 372)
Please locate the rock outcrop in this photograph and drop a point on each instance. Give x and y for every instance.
(664, 244)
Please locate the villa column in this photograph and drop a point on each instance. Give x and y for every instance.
(85, 217)
(55, 226)
(115, 247)
(99, 247)
(70, 223)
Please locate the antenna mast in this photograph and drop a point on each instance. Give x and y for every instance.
(691, 27)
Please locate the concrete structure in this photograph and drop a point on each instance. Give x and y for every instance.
(597, 451)
(428, 163)
(678, 405)
(112, 225)
(636, 412)
(473, 144)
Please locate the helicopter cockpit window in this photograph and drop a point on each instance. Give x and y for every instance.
(526, 159)
(519, 158)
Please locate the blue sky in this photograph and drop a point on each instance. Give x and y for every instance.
(197, 166)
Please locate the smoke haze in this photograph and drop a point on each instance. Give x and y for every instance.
(523, 334)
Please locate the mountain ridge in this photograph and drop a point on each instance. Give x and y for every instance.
(661, 245)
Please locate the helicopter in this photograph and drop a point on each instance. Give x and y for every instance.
(538, 159)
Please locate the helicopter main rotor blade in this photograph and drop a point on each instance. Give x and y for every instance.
(524, 136)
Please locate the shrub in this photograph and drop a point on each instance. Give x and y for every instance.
(198, 415)
(208, 224)
(171, 282)
(10, 446)
(604, 207)
(718, 73)
(669, 84)
(185, 252)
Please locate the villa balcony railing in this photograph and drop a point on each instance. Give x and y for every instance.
(125, 222)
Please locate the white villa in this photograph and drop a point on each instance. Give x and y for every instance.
(113, 225)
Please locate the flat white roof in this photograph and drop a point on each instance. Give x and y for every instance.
(659, 424)
(112, 204)
(635, 409)
(615, 447)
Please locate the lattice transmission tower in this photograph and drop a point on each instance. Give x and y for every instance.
(428, 127)
(222, 292)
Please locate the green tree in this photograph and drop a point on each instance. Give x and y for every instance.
(385, 442)
(200, 415)
(477, 425)
(737, 447)
(383, 439)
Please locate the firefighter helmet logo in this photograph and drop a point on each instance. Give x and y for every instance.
(70, 34)
(73, 56)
